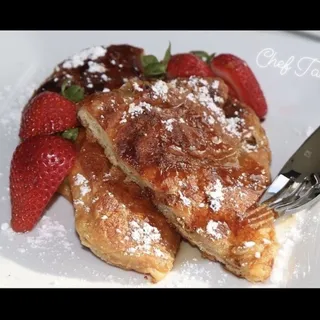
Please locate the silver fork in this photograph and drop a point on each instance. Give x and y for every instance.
(295, 188)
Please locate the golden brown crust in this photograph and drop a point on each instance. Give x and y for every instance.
(64, 190)
(203, 156)
(118, 63)
(115, 220)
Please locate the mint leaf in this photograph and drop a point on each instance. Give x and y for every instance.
(74, 93)
(64, 86)
(70, 134)
(148, 59)
(151, 65)
(167, 56)
(155, 69)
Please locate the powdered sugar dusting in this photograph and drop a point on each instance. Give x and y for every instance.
(233, 125)
(191, 97)
(266, 241)
(81, 181)
(218, 99)
(96, 67)
(137, 87)
(193, 271)
(215, 84)
(5, 226)
(249, 244)
(12, 105)
(136, 109)
(212, 228)
(168, 124)
(48, 235)
(104, 77)
(158, 253)
(289, 234)
(78, 60)
(144, 232)
(217, 229)
(204, 97)
(247, 147)
(216, 195)
(145, 236)
(123, 118)
(186, 201)
(160, 89)
(210, 120)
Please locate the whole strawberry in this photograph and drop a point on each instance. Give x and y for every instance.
(48, 113)
(186, 65)
(38, 167)
(241, 80)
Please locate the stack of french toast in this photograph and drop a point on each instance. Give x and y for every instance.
(165, 151)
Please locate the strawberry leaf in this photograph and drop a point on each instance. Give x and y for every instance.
(202, 54)
(70, 134)
(211, 57)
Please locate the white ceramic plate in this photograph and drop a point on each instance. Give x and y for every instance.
(312, 32)
(52, 256)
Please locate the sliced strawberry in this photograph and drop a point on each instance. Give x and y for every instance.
(186, 65)
(232, 93)
(48, 113)
(38, 167)
(240, 78)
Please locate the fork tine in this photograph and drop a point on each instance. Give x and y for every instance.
(302, 201)
(263, 223)
(307, 191)
(293, 197)
(316, 178)
(277, 204)
(256, 211)
(311, 194)
(264, 214)
(280, 187)
(260, 216)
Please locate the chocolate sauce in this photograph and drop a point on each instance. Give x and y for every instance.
(121, 63)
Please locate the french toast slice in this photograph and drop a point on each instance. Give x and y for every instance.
(95, 69)
(114, 219)
(204, 158)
